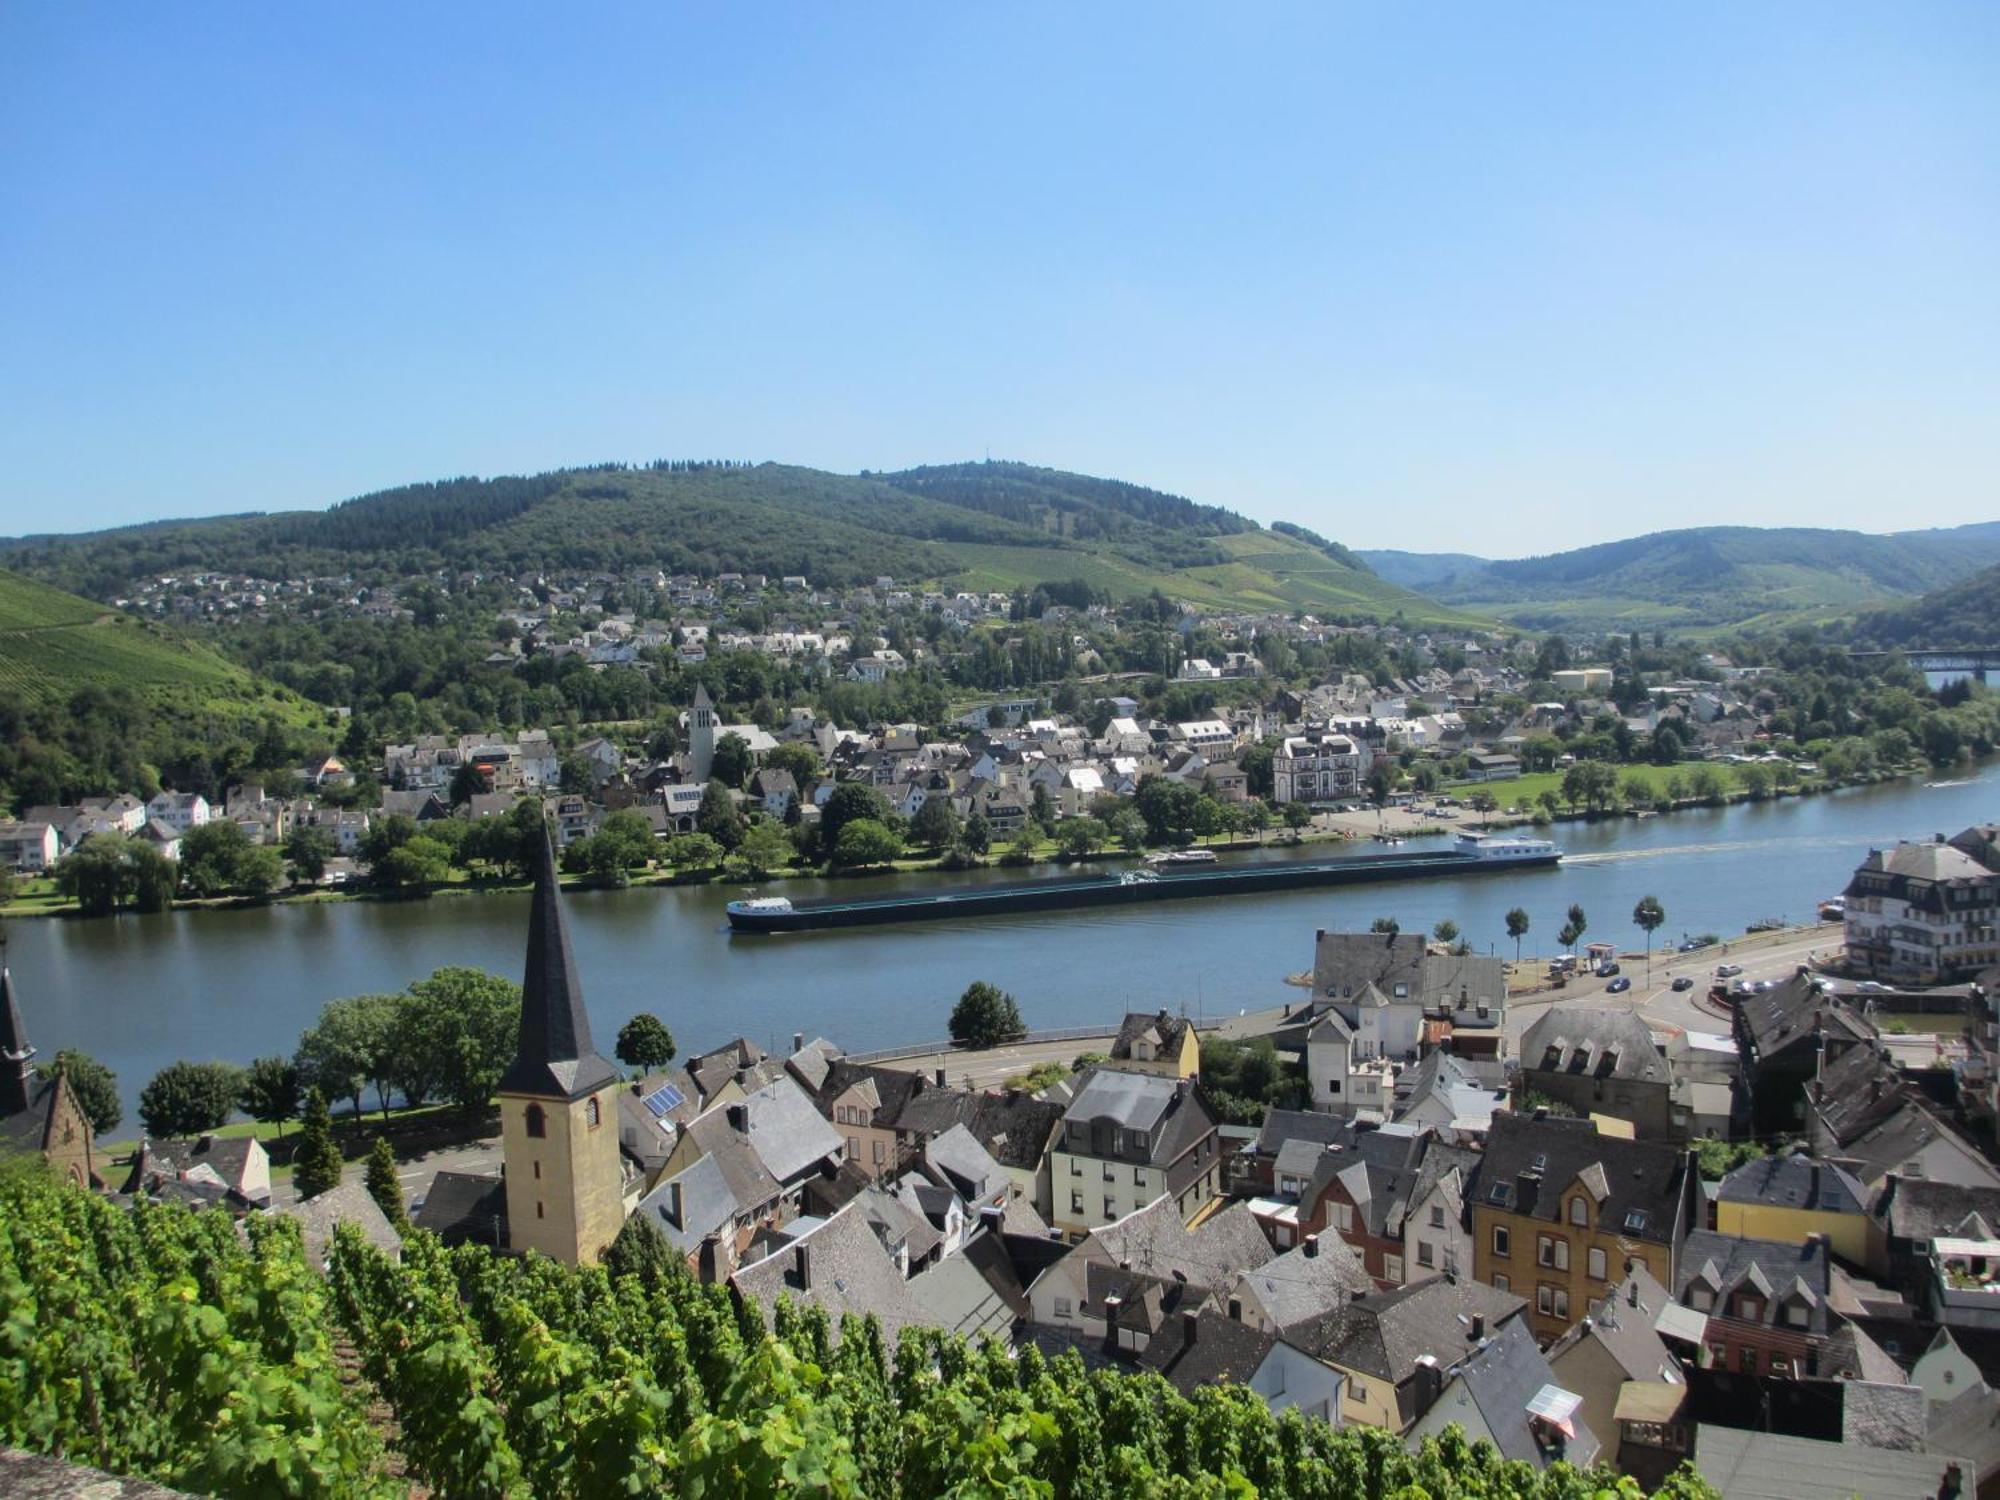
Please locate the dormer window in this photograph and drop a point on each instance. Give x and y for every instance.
(1700, 1298)
(1579, 1211)
(1750, 1309)
(1797, 1314)
(1402, 992)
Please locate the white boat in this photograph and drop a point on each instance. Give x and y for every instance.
(1184, 857)
(1505, 849)
(764, 905)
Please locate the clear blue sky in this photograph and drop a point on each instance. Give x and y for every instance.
(1453, 278)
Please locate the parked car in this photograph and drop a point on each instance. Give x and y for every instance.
(1618, 986)
(1728, 971)
(1606, 970)
(1764, 986)
(1684, 983)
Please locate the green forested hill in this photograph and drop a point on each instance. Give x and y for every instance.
(1966, 613)
(968, 525)
(53, 643)
(1706, 577)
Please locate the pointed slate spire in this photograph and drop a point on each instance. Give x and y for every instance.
(555, 1058)
(17, 1053)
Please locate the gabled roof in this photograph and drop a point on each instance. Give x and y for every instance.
(346, 1203)
(1155, 1242)
(1386, 1333)
(1624, 1324)
(1592, 1041)
(466, 1207)
(1922, 1208)
(706, 1204)
(1221, 1349)
(554, 1058)
(1531, 1162)
(1775, 1273)
(1504, 1380)
(1163, 1030)
(1788, 1016)
(785, 1135)
(844, 1269)
(1306, 1281)
(1378, 1171)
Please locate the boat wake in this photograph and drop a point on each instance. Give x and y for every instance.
(1619, 856)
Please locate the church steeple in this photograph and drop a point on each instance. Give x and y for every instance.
(555, 1058)
(17, 1053)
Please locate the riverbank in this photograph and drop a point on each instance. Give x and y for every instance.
(38, 897)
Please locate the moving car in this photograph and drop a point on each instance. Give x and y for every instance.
(1684, 983)
(1618, 986)
(1606, 970)
(1728, 971)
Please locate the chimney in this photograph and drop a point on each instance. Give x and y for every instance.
(798, 1041)
(802, 1265)
(1478, 1327)
(674, 1202)
(739, 1118)
(1190, 1326)
(993, 1217)
(1631, 1292)
(1429, 1384)
(1312, 1247)
(940, 1078)
(1236, 1309)
(708, 1264)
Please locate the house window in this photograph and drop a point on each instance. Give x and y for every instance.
(538, 1123)
(1075, 1201)
(1562, 1302)
(1437, 1216)
(1343, 1217)
(1579, 1211)
(1062, 1307)
(1075, 1167)
(538, 1209)
(593, 1112)
(1139, 1140)
(1502, 1240)
(1392, 1268)
(1424, 1253)
(1545, 1298)
(1750, 1309)
(1333, 1085)
(1109, 1211)
(1138, 1177)
(880, 1148)
(1797, 1314)
(1596, 1264)
(1502, 1284)
(1110, 1173)
(1552, 1250)
(853, 1149)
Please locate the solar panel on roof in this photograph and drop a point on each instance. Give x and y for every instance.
(664, 1100)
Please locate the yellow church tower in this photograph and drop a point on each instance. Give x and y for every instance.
(558, 1102)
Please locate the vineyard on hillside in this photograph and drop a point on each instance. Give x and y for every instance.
(160, 1342)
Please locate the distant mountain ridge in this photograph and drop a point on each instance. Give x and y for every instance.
(1712, 576)
(983, 525)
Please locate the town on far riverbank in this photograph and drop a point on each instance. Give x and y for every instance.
(1468, 730)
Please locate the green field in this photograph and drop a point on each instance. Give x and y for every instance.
(1523, 791)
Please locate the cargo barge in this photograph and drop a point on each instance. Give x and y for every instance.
(1471, 855)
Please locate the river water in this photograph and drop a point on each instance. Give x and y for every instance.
(140, 991)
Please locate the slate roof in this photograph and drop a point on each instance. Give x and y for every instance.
(1794, 1181)
(1858, 1091)
(1282, 1125)
(1386, 1333)
(1921, 1208)
(964, 1165)
(1163, 1030)
(897, 1224)
(1622, 1323)
(1221, 1349)
(1379, 1171)
(1774, 1273)
(1968, 1427)
(1501, 1380)
(707, 1204)
(786, 1136)
(1779, 1019)
(28, 1129)
(711, 1070)
(1746, 1465)
(348, 1203)
(1156, 1242)
(1850, 1354)
(974, 1292)
(1345, 963)
(1013, 1126)
(1530, 1163)
(1593, 1042)
(893, 1087)
(1439, 1161)
(1883, 1416)
(848, 1273)
(229, 1158)
(1306, 1281)
(554, 1058)
(466, 1207)
(1169, 1110)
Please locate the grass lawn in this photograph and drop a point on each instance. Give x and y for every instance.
(355, 1135)
(1525, 790)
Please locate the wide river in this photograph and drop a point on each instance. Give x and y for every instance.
(139, 992)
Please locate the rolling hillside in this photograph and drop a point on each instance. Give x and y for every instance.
(1706, 578)
(52, 643)
(962, 526)
(1966, 613)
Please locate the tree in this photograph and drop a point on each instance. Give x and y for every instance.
(352, 1045)
(645, 1043)
(414, 867)
(732, 762)
(1129, 829)
(455, 1034)
(270, 1092)
(1591, 784)
(1577, 923)
(155, 878)
(1297, 815)
(99, 874)
(384, 1186)
(977, 835)
(1388, 925)
(1517, 928)
(1256, 816)
(307, 849)
(935, 825)
(765, 848)
(1209, 817)
(1446, 932)
(719, 817)
(1482, 802)
(1568, 936)
(1168, 808)
(94, 1086)
(693, 851)
(1647, 916)
(865, 842)
(188, 1098)
(1079, 838)
(316, 1159)
(627, 839)
(467, 782)
(797, 757)
(218, 857)
(1550, 802)
(1024, 846)
(985, 1016)
(848, 801)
